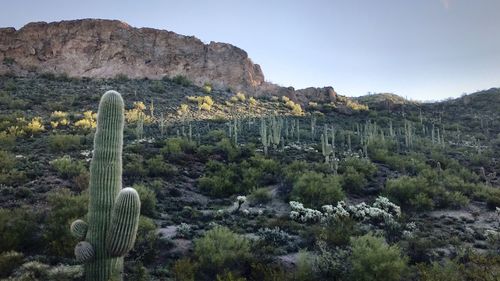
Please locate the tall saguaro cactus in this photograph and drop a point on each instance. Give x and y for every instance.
(113, 214)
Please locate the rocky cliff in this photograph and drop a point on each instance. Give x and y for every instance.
(106, 48)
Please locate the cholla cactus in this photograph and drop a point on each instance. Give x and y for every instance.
(382, 211)
(113, 214)
(240, 200)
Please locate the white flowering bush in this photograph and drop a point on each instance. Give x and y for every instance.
(382, 213)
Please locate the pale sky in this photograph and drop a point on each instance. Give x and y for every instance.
(420, 49)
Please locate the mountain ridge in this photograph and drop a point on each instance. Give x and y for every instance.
(100, 48)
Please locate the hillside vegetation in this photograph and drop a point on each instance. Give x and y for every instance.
(236, 187)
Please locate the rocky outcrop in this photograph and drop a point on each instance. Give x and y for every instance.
(107, 48)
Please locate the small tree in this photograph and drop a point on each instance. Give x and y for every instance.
(373, 259)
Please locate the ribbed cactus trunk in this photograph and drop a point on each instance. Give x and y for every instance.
(113, 213)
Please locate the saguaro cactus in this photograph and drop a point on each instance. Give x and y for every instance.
(113, 214)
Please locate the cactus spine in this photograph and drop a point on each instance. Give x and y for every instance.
(113, 214)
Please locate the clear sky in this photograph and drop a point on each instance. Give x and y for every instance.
(421, 49)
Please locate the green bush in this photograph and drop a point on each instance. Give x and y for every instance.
(220, 249)
(157, 167)
(175, 146)
(64, 208)
(185, 270)
(157, 87)
(148, 200)
(67, 168)
(424, 192)
(315, 189)
(145, 247)
(9, 261)
(450, 270)
(353, 181)
(222, 180)
(181, 80)
(373, 260)
(19, 230)
(7, 141)
(219, 179)
(260, 196)
(7, 161)
(64, 142)
(133, 166)
(362, 165)
(37, 271)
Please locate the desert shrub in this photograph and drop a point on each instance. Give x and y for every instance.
(185, 270)
(227, 149)
(219, 179)
(305, 267)
(88, 122)
(207, 88)
(181, 80)
(372, 259)
(136, 271)
(19, 229)
(241, 96)
(9, 261)
(469, 265)
(449, 270)
(295, 107)
(133, 166)
(145, 247)
(293, 170)
(148, 200)
(332, 263)
(175, 146)
(229, 276)
(260, 196)
(216, 135)
(66, 167)
(238, 178)
(220, 248)
(353, 181)
(81, 181)
(157, 167)
(316, 189)
(7, 141)
(7, 161)
(23, 192)
(335, 233)
(36, 271)
(64, 142)
(35, 126)
(13, 177)
(415, 193)
(157, 87)
(64, 209)
(268, 272)
(361, 165)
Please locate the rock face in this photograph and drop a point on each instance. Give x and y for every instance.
(107, 48)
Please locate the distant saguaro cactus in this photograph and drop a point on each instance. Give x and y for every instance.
(113, 214)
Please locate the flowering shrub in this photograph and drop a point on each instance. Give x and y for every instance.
(382, 213)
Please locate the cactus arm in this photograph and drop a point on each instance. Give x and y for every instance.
(124, 223)
(79, 229)
(84, 252)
